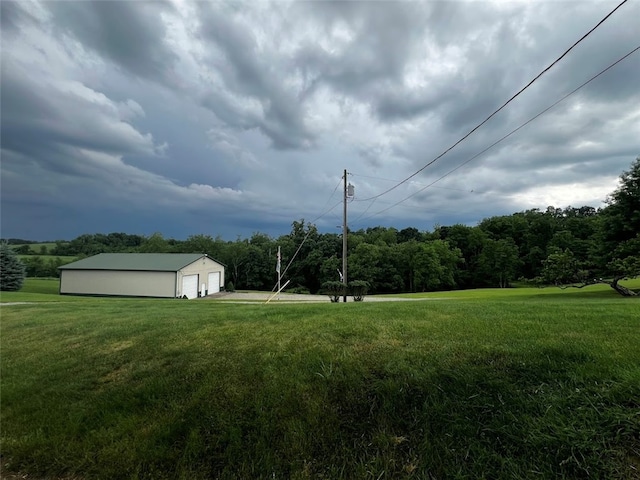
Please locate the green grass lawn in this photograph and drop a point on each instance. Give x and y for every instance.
(485, 384)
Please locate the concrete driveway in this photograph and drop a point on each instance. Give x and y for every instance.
(253, 297)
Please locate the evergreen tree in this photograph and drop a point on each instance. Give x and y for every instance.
(11, 270)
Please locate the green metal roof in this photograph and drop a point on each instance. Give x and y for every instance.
(159, 262)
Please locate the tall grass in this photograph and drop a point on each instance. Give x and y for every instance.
(506, 387)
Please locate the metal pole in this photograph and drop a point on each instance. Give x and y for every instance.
(344, 239)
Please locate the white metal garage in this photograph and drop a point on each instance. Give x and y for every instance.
(190, 286)
(214, 282)
(143, 275)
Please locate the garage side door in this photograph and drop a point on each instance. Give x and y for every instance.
(214, 282)
(190, 286)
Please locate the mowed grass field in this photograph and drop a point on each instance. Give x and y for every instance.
(37, 247)
(521, 383)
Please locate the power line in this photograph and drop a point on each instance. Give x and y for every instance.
(330, 197)
(307, 235)
(365, 211)
(325, 212)
(391, 180)
(510, 133)
(415, 183)
(501, 107)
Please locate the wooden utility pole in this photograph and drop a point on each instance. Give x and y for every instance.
(344, 238)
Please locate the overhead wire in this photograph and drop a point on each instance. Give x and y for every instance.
(500, 108)
(471, 132)
(391, 180)
(415, 183)
(326, 212)
(511, 132)
(365, 211)
(329, 199)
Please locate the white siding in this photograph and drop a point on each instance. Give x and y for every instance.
(116, 282)
(143, 283)
(205, 267)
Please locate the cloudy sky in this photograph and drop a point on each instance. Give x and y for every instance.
(228, 118)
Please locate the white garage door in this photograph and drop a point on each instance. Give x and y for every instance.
(190, 286)
(214, 282)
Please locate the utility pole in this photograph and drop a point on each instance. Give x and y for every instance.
(344, 239)
(348, 193)
(278, 269)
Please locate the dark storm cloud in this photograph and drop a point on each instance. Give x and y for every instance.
(374, 41)
(129, 33)
(384, 40)
(241, 116)
(397, 105)
(43, 119)
(252, 72)
(581, 131)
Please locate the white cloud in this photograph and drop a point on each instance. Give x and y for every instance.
(592, 193)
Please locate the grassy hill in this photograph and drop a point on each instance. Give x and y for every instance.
(64, 258)
(500, 384)
(37, 248)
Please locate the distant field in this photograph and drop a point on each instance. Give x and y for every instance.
(542, 383)
(37, 247)
(65, 258)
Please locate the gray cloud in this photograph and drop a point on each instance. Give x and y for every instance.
(12, 16)
(253, 72)
(63, 114)
(131, 34)
(242, 116)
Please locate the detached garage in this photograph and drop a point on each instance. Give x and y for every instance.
(143, 275)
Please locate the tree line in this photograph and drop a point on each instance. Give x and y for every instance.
(557, 246)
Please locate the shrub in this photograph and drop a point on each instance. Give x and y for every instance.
(334, 289)
(358, 289)
(230, 286)
(299, 289)
(11, 270)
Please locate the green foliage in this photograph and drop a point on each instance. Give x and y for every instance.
(499, 261)
(470, 241)
(434, 265)
(32, 248)
(23, 250)
(358, 289)
(230, 286)
(12, 270)
(613, 253)
(622, 215)
(155, 244)
(87, 245)
(621, 219)
(333, 289)
(300, 290)
(560, 268)
(45, 266)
